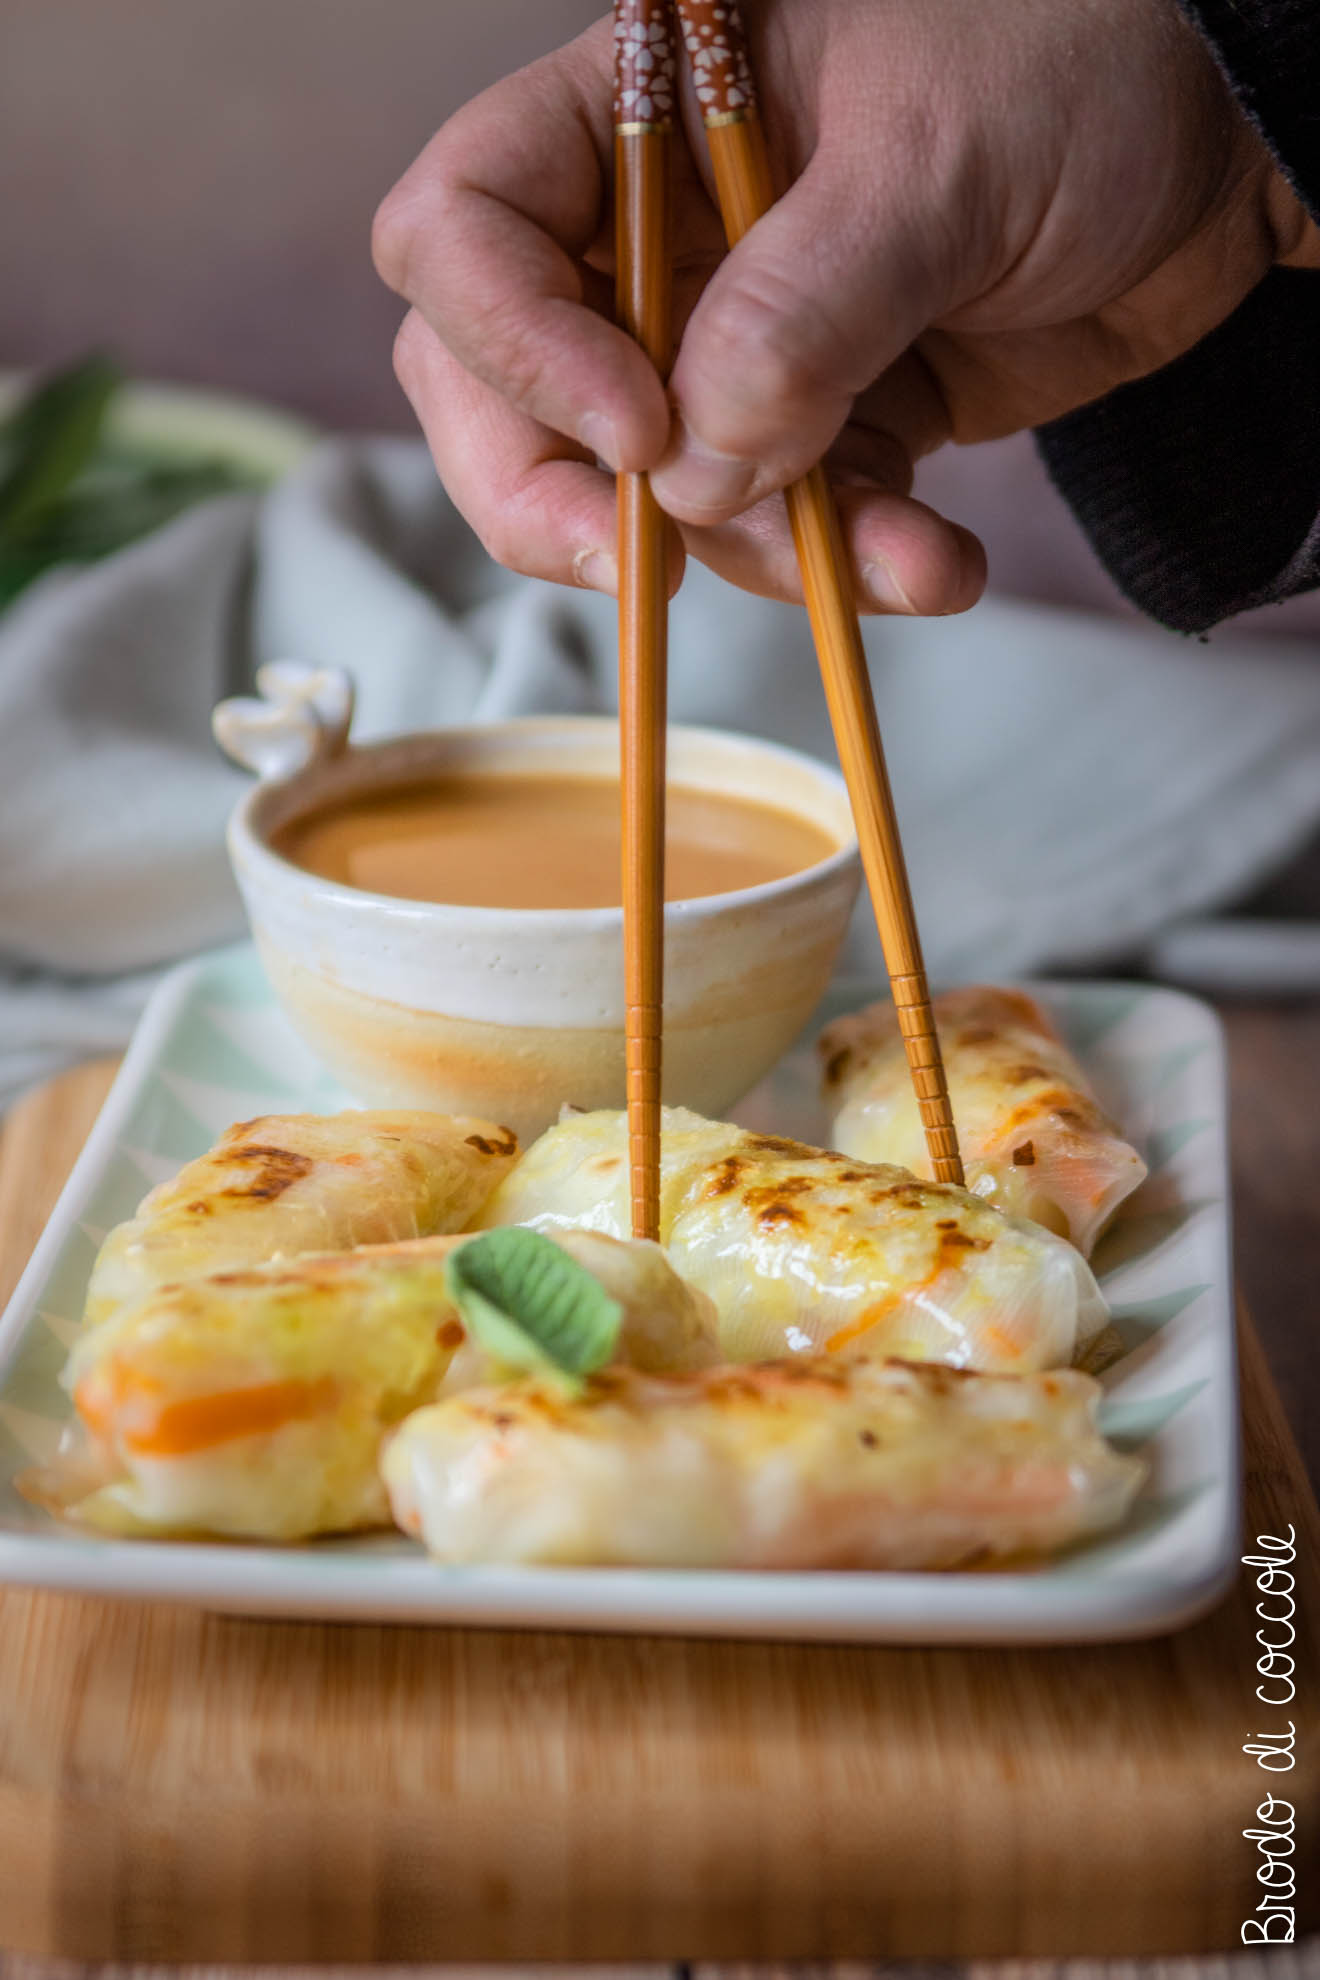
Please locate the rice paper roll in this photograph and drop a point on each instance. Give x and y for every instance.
(252, 1404)
(287, 1184)
(1033, 1136)
(829, 1462)
(803, 1250)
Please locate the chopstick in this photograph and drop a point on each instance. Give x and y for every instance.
(713, 34)
(644, 48)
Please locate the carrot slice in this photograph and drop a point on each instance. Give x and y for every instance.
(197, 1422)
(871, 1316)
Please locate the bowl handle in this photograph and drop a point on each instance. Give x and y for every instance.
(299, 715)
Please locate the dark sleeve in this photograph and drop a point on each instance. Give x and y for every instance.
(1199, 486)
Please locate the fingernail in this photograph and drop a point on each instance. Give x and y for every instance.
(598, 436)
(699, 478)
(596, 570)
(883, 588)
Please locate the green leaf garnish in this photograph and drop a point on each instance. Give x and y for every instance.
(530, 1305)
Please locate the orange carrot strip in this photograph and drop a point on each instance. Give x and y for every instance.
(1001, 1338)
(197, 1422)
(870, 1317)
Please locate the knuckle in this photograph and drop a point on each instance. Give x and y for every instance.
(753, 331)
(518, 363)
(408, 358)
(483, 501)
(416, 206)
(525, 522)
(774, 350)
(392, 231)
(500, 537)
(915, 132)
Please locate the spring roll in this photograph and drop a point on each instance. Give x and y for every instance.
(829, 1462)
(251, 1404)
(803, 1250)
(1034, 1138)
(288, 1184)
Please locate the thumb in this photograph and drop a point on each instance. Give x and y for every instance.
(806, 311)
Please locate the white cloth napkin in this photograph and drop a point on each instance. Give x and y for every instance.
(1071, 787)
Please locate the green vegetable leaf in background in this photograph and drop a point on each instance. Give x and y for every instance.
(530, 1305)
(105, 514)
(70, 494)
(49, 438)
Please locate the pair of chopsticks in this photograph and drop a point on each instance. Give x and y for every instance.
(644, 93)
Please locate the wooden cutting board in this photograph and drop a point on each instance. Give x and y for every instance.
(178, 1786)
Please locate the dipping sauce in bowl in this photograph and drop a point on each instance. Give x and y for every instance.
(439, 913)
(542, 842)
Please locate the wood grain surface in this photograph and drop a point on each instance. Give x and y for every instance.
(178, 1786)
(1274, 1138)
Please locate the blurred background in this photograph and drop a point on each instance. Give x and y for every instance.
(192, 185)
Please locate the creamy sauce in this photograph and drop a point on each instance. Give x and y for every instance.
(541, 842)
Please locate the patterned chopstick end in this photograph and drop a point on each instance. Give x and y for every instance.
(717, 49)
(643, 66)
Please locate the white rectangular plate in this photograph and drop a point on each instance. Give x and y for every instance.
(213, 1048)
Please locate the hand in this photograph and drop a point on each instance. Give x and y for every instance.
(994, 214)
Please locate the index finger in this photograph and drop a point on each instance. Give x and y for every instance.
(484, 235)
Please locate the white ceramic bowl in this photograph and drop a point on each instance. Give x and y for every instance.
(510, 1012)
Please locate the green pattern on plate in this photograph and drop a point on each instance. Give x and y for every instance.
(1164, 1143)
(1093, 1012)
(1172, 1064)
(1143, 1234)
(1137, 1323)
(1132, 1424)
